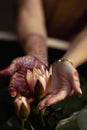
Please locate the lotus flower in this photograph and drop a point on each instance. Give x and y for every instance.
(22, 108)
(38, 81)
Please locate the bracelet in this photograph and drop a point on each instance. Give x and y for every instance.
(63, 60)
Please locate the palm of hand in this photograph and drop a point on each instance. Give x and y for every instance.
(65, 81)
(17, 70)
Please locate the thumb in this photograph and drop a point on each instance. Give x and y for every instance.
(9, 70)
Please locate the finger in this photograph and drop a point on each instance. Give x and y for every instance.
(72, 92)
(12, 92)
(41, 104)
(76, 85)
(19, 84)
(9, 70)
(17, 81)
(76, 82)
(57, 97)
(60, 95)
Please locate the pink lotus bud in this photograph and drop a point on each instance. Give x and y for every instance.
(39, 81)
(22, 107)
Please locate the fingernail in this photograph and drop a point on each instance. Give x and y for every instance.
(40, 107)
(46, 104)
(76, 74)
(80, 91)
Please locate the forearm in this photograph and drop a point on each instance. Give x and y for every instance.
(77, 53)
(31, 28)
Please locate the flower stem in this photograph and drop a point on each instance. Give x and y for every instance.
(22, 124)
(42, 119)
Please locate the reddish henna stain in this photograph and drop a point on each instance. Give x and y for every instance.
(18, 80)
(76, 74)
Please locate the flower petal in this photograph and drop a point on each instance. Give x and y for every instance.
(39, 90)
(49, 83)
(42, 81)
(22, 107)
(31, 80)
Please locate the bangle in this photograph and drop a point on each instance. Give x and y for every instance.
(63, 60)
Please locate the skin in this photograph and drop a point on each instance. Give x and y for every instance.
(32, 37)
(65, 78)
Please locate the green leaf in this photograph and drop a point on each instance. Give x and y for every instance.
(82, 119)
(69, 123)
(11, 124)
(71, 104)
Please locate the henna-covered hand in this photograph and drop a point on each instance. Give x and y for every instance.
(17, 70)
(65, 81)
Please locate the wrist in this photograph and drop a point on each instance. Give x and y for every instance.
(40, 57)
(35, 45)
(74, 60)
(66, 60)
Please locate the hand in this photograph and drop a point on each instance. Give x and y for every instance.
(17, 70)
(65, 81)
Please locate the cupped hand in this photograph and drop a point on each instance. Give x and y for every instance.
(17, 70)
(65, 81)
